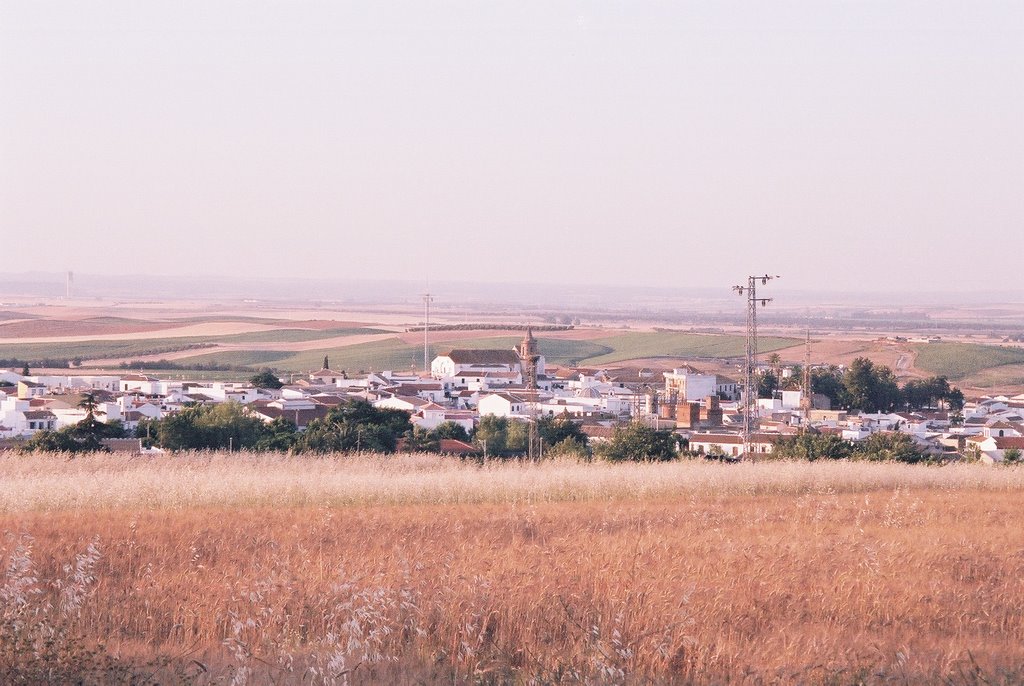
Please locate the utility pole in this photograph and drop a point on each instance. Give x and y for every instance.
(750, 362)
(427, 299)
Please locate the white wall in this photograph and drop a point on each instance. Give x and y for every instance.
(791, 400)
(498, 406)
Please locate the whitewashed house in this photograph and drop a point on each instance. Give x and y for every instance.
(140, 383)
(992, 449)
(408, 403)
(78, 383)
(454, 362)
(19, 418)
(502, 405)
(143, 406)
(30, 389)
(791, 400)
(10, 377)
(731, 445)
(689, 384)
(1002, 428)
(574, 407)
(429, 416)
(727, 388)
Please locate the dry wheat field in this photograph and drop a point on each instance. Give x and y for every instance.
(415, 569)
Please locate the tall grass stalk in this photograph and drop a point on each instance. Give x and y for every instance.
(253, 479)
(417, 569)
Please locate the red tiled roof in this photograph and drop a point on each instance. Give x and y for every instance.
(595, 431)
(451, 445)
(328, 400)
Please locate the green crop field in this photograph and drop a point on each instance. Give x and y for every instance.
(393, 354)
(294, 335)
(1003, 377)
(560, 351)
(377, 356)
(98, 349)
(960, 360)
(640, 345)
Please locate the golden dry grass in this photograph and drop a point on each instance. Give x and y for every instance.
(419, 569)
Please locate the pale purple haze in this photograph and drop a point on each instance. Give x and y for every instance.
(844, 145)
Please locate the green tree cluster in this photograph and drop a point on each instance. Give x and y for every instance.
(430, 441)
(932, 392)
(349, 427)
(209, 427)
(355, 426)
(503, 437)
(869, 387)
(266, 379)
(879, 447)
(450, 430)
(561, 436)
(889, 447)
(640, 443)
(812, 446)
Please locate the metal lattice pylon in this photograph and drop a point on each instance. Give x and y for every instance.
(750, 358)
(427, 299)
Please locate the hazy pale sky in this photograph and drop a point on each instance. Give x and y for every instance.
(845, 145)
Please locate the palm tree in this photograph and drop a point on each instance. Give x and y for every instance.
(88, 403)
(775, 360)
(89, 430)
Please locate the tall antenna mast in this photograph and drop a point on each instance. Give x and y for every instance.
(427, 299)
(750, 363)
(70, 281)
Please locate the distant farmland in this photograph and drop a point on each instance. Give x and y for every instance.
(301, 347)
(958, 361)
(101, 349)
(123, 348)
(388, 354)
(640, 345)
(394, 354)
